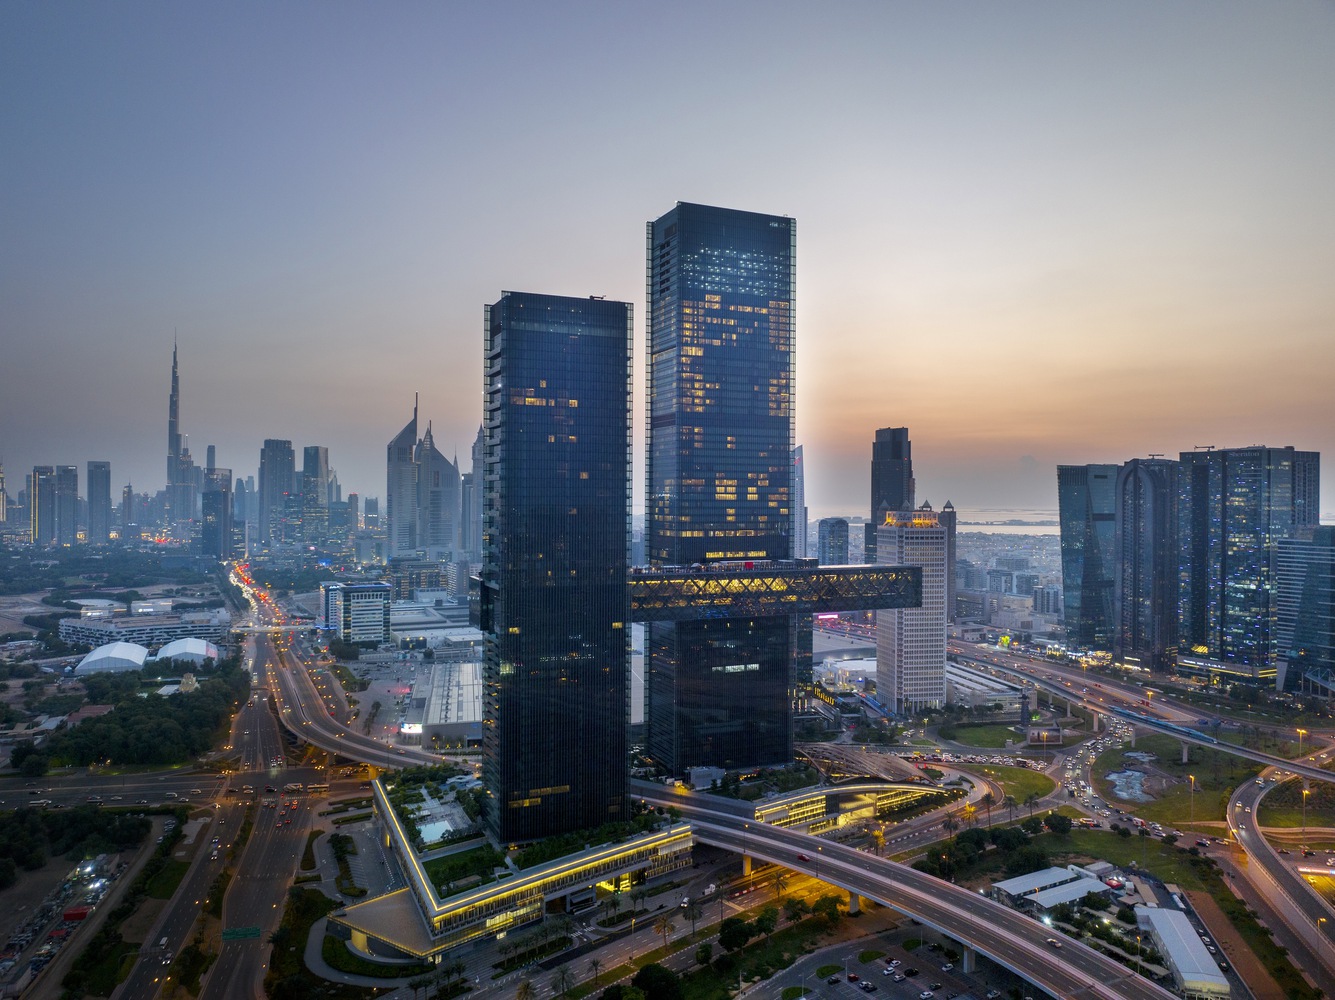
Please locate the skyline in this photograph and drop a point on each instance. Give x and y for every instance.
(319, 210)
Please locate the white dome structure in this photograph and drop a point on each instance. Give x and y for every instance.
(194, 650)
(114, 656)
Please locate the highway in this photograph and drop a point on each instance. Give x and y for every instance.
(1014, 942)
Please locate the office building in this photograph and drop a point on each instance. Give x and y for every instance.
(99, 503)
(215, 530)
(946, 517)
(357, 613)
(1145, 583)
(557, 534)
(892, 484)
(1087, 514)
(67, 505)
(42, 505)
(1306, 619)
(1234, 506)
(721, 291)
(401, 490)
(315, 479)
(832, 541)
(277, 470)
(911, 642)
(437, 500)
(799, 529)
(4, 496)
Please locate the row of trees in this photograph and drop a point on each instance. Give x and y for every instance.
(31, 837)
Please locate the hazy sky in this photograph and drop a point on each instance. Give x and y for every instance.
(1034, 233)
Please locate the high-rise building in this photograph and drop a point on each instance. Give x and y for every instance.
(277, 468)
(357, 613)
(832, 541)
(721, 291)
(1234, 505)
(4, 496)
(437, 499)
(127, 510)
(892, 485)
(67, 505)
(1306, 619)
(1145, 586)
(946, 517)
(911, 642)
(315, 495)
(557, 532)
(401, 490)
(174, 426)
(471, 502)
(42, 505)
(99, 503)
(799, 529)
(215, 531)
(1087, 515)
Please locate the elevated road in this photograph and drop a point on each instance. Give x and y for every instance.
(1071, 971)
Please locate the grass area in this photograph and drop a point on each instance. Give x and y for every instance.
(1018, 782)
(190, 967)
(1265, 742)
(870, 955)
(308, 855)
(335, 952)
(288, 978)
(1172, 864)
(452, 868)
(826, 971)
(1217, 774)
(163, 885)
(1283, 806)
(355, 818)
(987, 735)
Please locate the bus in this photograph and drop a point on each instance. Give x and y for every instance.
(318, 789)
(294, 786)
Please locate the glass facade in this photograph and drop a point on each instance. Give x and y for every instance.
(1145, 597)
(892, 484)
(721, 293)
(832, 541)
(1234, 505)
(1310, 592)
(1086, 511)
(556, 535)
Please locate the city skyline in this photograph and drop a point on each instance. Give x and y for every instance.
(1035, 237)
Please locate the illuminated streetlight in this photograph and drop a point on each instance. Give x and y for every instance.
(1301, 734)
(1192, 777)
(1306, 792)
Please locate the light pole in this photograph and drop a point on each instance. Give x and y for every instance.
(1138, 969)
(1301, 734)
(1306, 792)
(1192, 778)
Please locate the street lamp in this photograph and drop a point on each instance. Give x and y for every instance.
(1192, 778)
(1306, 792)
(1301, 734)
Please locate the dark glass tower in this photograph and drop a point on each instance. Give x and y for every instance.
(832, 541)
(42, 505)
(277, 471)
(1145, 594)
(892, 485)
(556, 538)
(721, 292)
(67, 505)
(315, 494)
(1309, 653)
(215, 530)
(1086, 511)
(1234, 505)
(99, 502)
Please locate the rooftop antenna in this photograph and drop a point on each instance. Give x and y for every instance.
(1205, 447)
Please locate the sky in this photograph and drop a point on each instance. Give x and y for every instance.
(1033, 233)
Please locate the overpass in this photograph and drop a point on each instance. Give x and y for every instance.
(982, 926)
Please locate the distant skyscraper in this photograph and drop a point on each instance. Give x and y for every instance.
(1087, 513)
(1145, 591)
(946, 517)
(799, 529)
(558, 392)
(315, 495)
(1234, 505)
(215, 531)
(210, 458)
(892, 485)
(181, 490)
(437, 499)
(721, 289)
(174, 426)
(127, 510)
(67, 505)
(42, 505)
(277, 469)
(911, 642)
(99, 502)
(4, 496)
(474, 519)
(401, 490)
(1306, 620)
(832, 541)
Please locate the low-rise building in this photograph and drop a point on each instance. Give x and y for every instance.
(1195, 972)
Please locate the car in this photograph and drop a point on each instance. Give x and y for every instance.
(926, 995)
(899, 977)
(1202, 843)
(1054, 942)
(853, 977)
(992, 994)
(948, 966)
(803, 857)
(887, 972)
(832, 980)
(933, 986)
(895, 963)
(910, 972)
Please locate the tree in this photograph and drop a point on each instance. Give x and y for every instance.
(525, 990)
(950, 824)
(638, 896)
(704, 954)
(1010, 805)
(987, 800)
(1057, 823)
(970, 814)
(595, 966)
(562, 980)
(420, 983)
(878, 841)
(828, 907)
(693, 913)
(1032, 800)
(780, 883)
(766, 920)
(795, 908)
(612, 904)
(657, 982)
(663, 926)
(733, 933)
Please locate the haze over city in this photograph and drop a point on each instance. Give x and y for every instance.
(1034, 234)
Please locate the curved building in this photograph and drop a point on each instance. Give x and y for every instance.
(114, 656)
(194, 650)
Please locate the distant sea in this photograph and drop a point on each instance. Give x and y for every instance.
(1007, 521)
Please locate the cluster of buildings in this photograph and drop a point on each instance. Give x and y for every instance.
(1213, 565)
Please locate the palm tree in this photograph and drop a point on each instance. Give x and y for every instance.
(562, 980)
(664, 926)
(612, 904)
(525, 990)
(878, 839)
(1031, 800)
(638, 896)
(970, 812)
(420, 983)
(950, 824)
(595, 966)
(987, 800)
(693, 913)
(780, 883)
(1010, 805)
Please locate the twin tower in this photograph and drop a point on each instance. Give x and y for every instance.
(728, 608)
